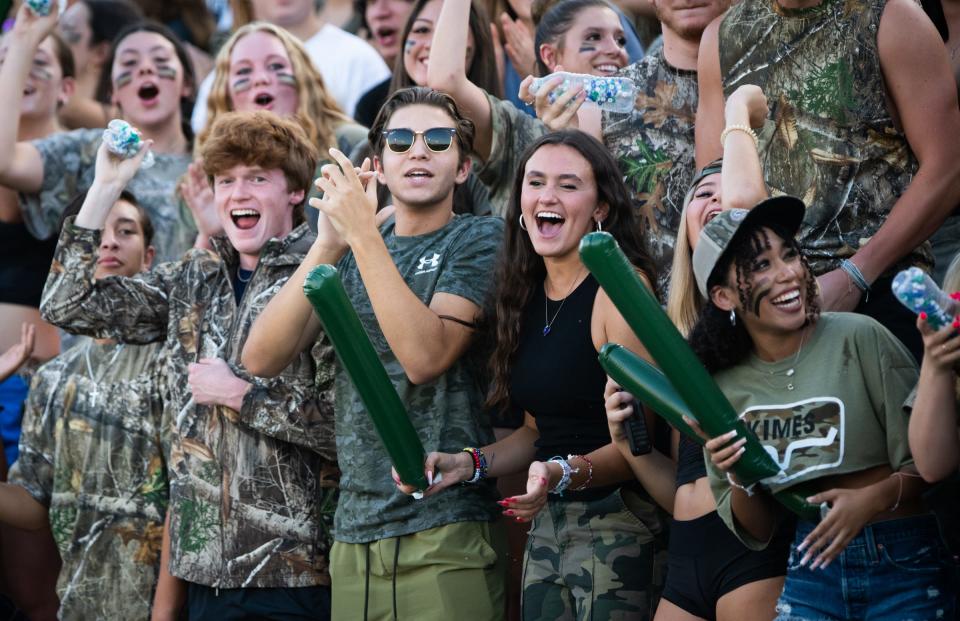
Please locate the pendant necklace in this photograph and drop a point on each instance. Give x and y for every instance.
(547, 322)
(792, 370)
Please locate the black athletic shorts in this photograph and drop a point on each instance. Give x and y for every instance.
(279, 604)
(706, 561)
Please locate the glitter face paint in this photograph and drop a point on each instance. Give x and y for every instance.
(123, 78)
(167, 72)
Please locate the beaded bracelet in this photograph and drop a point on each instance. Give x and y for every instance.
(740, 128)
(746, 488)
(565, 479)
(479, 464)
(856, 276)
(586, 483)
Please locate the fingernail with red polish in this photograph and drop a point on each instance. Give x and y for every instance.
(519, 519)
(508, 512)
(923, 315)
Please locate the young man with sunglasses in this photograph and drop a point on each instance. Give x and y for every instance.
(418, 283)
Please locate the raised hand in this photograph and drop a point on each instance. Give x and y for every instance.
(562, 113)
(17, 354)
(197, 193)
(116, 171)
(349, 198)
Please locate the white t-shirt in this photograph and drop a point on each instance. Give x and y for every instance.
(349, 66)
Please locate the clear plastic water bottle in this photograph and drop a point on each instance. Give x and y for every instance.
(917, 291)
(614, 94)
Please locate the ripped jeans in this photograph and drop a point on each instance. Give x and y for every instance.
(895, 570)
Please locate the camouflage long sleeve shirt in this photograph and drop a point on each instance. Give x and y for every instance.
(252, 493)
(91, 451)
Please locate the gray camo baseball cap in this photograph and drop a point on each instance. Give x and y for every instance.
(719, 233)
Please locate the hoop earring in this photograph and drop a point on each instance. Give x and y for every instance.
(733, 318)
(522, 225)
(599, 226)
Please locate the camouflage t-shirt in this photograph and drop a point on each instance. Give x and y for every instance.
(830, 137)
(654, 146)
(513, 131)
(844, 413)
(68, 167)
(91, 451)
(447, 413)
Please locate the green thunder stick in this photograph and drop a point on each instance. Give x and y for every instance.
(603, 257)
(341, 323)
(647, 383)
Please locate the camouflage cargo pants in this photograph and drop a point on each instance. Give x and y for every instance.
(598, 560)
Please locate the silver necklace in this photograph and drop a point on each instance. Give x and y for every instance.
(792, 370)
(548, 323)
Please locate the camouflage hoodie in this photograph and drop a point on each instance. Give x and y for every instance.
(252, 493)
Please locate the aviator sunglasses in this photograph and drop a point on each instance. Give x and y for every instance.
(437, 139)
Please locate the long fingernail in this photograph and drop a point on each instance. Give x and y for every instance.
(509, 512)
(824, 566)
(741, 450)
(923, 315)
(519, 519)
(803, 546)
(730, 434)
(804, 560)
(429, 477)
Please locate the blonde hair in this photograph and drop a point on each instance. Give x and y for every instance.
(684, 301)
(951, 279)
(317, 111)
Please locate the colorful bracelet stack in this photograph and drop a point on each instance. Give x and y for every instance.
(479, 464)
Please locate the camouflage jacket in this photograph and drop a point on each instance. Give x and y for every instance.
(654, 146)
(90, 450)
(830, 138)
(251, 492)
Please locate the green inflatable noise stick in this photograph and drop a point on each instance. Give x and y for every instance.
(341, 323)
(647, 383)
(603, 257)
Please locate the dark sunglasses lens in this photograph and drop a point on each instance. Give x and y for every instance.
(399, 140)
(438, 138)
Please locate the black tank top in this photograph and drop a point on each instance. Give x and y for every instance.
(557, 379)
(24, 264)
(690, 465)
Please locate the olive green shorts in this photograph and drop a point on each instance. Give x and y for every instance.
(449, 572)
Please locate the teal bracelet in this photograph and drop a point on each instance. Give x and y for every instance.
(856, 276)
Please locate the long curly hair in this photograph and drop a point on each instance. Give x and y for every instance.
(715, 340)
(317, 111)
(521, 270)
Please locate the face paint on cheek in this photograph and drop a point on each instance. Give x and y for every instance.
(284, 77)
(242, 84)
(167, 72)
(760, 291)
(408, 46)
(39, 73)
(587, 49)
(123, 78)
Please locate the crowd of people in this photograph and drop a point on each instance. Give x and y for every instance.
(182, 442)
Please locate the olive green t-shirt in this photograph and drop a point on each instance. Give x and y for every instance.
(447, 412)
(844, 413)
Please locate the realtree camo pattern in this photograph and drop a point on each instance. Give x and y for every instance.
(91, 451)
(595, 560)
(654, 146)
(68, 167)
(252, 493)
(829, 138)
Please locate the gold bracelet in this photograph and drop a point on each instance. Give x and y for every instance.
(740, 128)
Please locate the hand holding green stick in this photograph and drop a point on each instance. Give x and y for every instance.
(341, 323)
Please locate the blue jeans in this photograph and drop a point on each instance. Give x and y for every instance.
(896, 570)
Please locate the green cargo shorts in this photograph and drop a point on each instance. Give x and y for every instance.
(455, 571)
(601, 559)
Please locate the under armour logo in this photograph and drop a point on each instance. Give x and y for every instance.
(433, 262)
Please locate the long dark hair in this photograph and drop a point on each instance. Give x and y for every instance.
(189, 77)
(522, 270)
(719, 343)
(557, 21)
(483, 68)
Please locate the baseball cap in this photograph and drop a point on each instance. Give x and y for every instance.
(720, 233)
